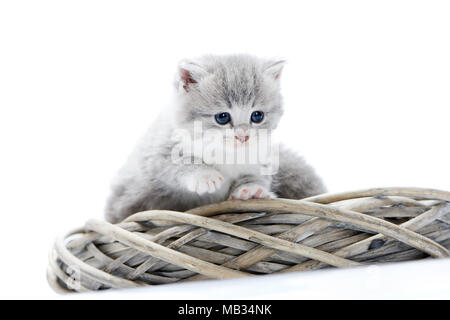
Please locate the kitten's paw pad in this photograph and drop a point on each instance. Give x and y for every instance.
(251, 191)
(205, 182)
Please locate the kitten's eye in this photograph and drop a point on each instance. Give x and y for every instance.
(257, 116)
(223, 118)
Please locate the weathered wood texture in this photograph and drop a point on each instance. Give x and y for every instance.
(254, 237)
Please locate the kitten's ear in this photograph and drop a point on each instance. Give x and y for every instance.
(274, 68)
(190, 73)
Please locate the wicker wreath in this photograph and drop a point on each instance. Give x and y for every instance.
(255, 237)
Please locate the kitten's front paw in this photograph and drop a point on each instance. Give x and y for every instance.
(251, 191)
(205, 181)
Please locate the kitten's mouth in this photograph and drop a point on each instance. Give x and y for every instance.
(238, 144)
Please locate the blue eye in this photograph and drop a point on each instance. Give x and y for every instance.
(223, 118)
(257, 116)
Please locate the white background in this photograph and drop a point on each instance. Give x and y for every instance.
(366, 93)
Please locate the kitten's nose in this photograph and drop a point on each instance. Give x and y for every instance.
(242, 139)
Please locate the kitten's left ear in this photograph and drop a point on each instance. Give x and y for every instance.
(190, 73)
(274, 68)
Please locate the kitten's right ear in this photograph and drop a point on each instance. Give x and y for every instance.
(274, 68)
(190, 73)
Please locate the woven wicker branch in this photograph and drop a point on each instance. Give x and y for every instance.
(241, 238)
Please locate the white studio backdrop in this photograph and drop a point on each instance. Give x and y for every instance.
(366, 92)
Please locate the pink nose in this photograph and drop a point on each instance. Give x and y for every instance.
(242, 139)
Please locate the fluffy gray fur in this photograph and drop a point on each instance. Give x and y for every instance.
(239, 85)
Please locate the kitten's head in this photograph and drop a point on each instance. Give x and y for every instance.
(233, 94)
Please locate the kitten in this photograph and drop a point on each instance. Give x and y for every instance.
(236, 98)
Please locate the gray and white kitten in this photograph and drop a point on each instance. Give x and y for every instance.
(236, 96)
